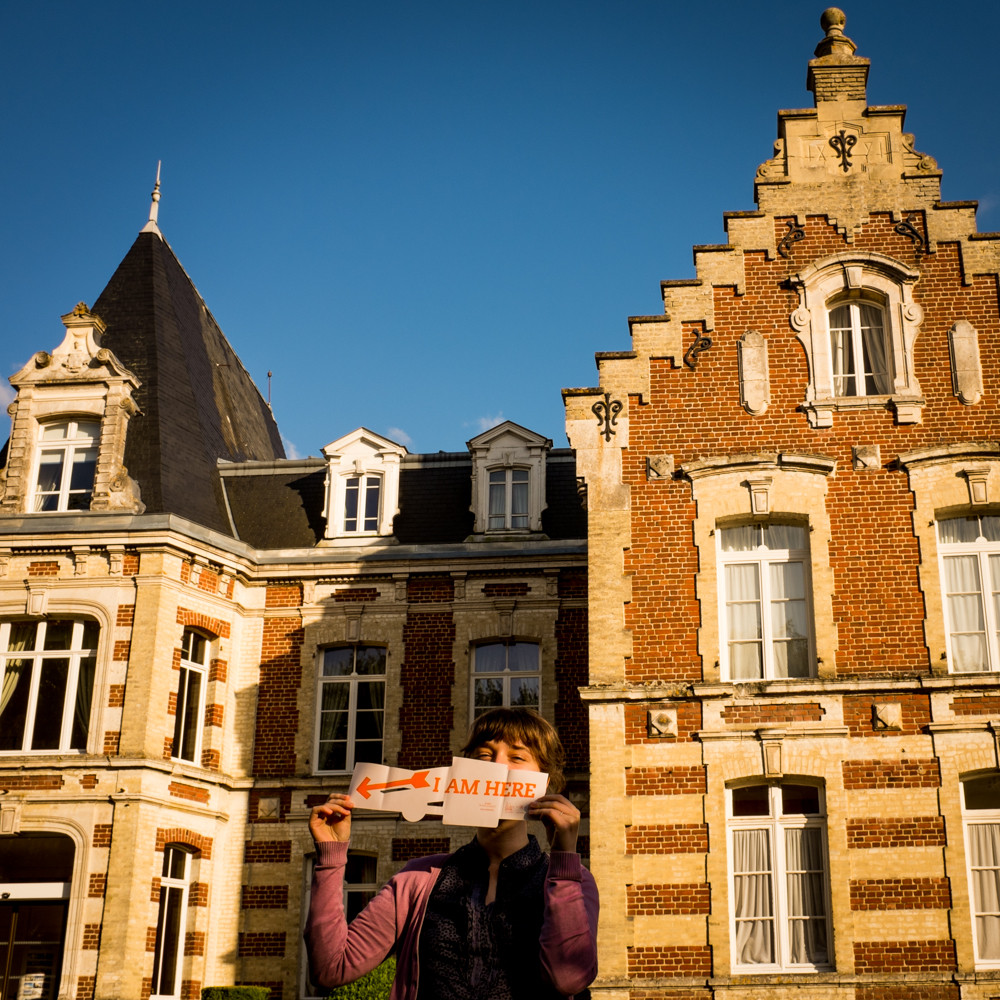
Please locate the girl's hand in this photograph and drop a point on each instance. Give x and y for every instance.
(332, 820)
(561, 819)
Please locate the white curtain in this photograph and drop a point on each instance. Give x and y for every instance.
(873, 345)
(965, 609)
(984, 856)
(788, 619)
(841, 353)
(743, 610)
(806, 907)
(753, 904)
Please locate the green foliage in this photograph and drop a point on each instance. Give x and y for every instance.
(376, 985)
(236, 993)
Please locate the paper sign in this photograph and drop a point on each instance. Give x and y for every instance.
(469, 793)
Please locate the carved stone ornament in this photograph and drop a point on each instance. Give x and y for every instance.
(659, 466)
(887, 716)
(978, 479)
(867, 457)
(661, 723)
(760, 494)
(606, 410)
(966, 366)
(755, 379)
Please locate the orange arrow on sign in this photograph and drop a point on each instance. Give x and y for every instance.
(416, 780)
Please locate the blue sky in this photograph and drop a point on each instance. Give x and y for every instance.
(426, 217)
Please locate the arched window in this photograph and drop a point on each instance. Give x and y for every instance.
(779, 886)
(66, 463)
(171, 920)
(46, 684)
(190, 708)
(505, 674)
(859, 351)
(969, 549)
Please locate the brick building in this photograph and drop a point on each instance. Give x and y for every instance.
(793, 488)
(201, 637)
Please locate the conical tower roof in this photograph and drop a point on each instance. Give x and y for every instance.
(198, 403)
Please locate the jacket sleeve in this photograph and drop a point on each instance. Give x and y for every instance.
(568, 940)
(339, 953)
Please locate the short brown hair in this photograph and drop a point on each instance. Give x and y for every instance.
(527, 727)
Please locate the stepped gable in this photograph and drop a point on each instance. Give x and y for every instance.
(841, 170)
(198, 404)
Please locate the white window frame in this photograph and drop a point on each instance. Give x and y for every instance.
(178, 900)
(75, 655)
(504, 676)
(72, 445)
(987, 818)
(364, 524)
(504, 479)
(776, 824)
(857, 373)
(352, 681)
(190, 718)
(763, 558)
(874, 277)
(981, 550)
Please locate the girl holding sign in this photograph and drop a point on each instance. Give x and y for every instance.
(497, 920)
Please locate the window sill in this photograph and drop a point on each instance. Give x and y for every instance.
(908, 409)
(509, 535)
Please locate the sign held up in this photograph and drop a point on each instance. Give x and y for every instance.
(469, 793)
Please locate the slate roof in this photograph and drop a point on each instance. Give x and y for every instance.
(198, 402)
(280, 506)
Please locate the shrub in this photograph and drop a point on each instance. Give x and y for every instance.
(376, 985)
(236, 993)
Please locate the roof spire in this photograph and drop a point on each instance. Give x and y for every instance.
(154, 208)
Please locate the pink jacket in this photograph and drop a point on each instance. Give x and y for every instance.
(339, 953)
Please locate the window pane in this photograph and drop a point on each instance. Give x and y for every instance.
(168, 940)
(82, 471)
(14, 703)
(188, 718)
(370, 660)
(333, 712)
(806, 903)
(50, 465)
(59, 634)
(982, 793)
(787, 580)
(524, 692)
(785, 536)
(744, 538)
(49, 707)
(984, 862)
(522, 656)
(333, 757)
(990, 527)
(372, 490)
(491, 658)
(797, 800)
(959, 529)
(488, 692)
(351, 504)
(753, 903)
(753, 800)
(338, 662)
(371, 696)
(22, 636)
(965, 608)
(54, 432)
(360, 868)
(84, 698)
(194, 647)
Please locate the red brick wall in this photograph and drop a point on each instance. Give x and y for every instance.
(262, 851)
(900, 894)
(770, 713)
(665, 780)
(277, 696)
(660, 898)
(405, 848)
(637, 726)
(915, 710)
(917, 831)
(903, 956)
(661, 961)
(427, 675)
(676, 838)
(908, 991)
(261, 944)
(264, 897)
(922, 773)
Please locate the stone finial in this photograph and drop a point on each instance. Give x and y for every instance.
(836, 42)
(152, 225)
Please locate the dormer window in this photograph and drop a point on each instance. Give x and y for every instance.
(508, 480)
(858, 349)
(362, 487)
(509, 499)
(67, 461)
(362, 495)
